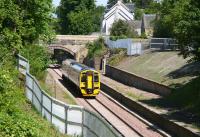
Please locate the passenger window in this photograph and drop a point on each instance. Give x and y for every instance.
(96, 78)
(83, 78)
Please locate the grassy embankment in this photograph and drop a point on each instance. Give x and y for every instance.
(17, 116)
(172, 70)
(167, 68)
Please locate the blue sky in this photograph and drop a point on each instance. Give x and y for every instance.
(98, 2)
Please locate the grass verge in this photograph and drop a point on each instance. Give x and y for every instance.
(21, 120)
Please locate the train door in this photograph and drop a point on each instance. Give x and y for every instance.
(89, 82)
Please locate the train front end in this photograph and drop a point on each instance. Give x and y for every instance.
(89, 83)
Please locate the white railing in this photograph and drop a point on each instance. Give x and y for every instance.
(133, 47)
(69, 119)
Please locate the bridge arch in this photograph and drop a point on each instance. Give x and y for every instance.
(75, 45)
(61, 53)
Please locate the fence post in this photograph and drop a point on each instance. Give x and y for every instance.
(32, 87)
(66, 121)
(41, 101)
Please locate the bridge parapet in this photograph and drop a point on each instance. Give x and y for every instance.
(74, 39)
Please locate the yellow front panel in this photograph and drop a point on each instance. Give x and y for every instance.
(89, 81)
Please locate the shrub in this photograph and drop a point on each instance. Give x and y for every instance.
(97, 48)
(121, 28)
(38, 57)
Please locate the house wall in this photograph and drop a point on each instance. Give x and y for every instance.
(109, 23)
(149, 32)
(138, 31)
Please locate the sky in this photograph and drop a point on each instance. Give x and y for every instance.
(99, 2)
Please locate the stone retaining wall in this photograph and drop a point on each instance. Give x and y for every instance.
(136, 81)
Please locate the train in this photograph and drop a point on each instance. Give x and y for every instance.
(85, 78)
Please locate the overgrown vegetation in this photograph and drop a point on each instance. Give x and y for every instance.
(116, 55)
(38, 57)
(22, 25)
(96, 48)
(17, 119)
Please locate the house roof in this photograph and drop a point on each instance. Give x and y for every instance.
(148, 20)
(123, 11)
(130, 6)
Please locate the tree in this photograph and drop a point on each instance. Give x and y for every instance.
(152, 8)
(77, 16)
(138, 13)
(80, 22)
(121, 28)
(181, 19)
(97, 18)
(186, 16)
(24, 22)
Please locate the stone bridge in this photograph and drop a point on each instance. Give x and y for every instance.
(73, 45)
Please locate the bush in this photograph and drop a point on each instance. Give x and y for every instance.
(122, 29)
(97, 48)
(39, 59)
(114, 38)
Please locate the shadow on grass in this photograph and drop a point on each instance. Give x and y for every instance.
(191, 69)
(183, 104)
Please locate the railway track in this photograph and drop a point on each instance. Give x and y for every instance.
(128, 123)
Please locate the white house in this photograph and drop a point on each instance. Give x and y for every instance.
(118, 11)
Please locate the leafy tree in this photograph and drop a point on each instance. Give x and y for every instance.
(164, 25)
(152, 8)
(181, 19)
(80, 22)
(138, 13)
(122, 28)
(98, 17)
(186, 16)
(142, 3)
(24, 22)
(77, 16)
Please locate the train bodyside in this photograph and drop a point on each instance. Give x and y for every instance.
(87, 79)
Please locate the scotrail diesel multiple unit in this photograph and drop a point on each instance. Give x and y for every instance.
(87, 79)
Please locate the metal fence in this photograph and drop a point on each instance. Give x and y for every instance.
(69, 119)
(133, 47)
(163, 43)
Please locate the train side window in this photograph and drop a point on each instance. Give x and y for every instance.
(83, 78)
(96, 78)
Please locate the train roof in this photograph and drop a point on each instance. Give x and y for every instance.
(77, 66)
